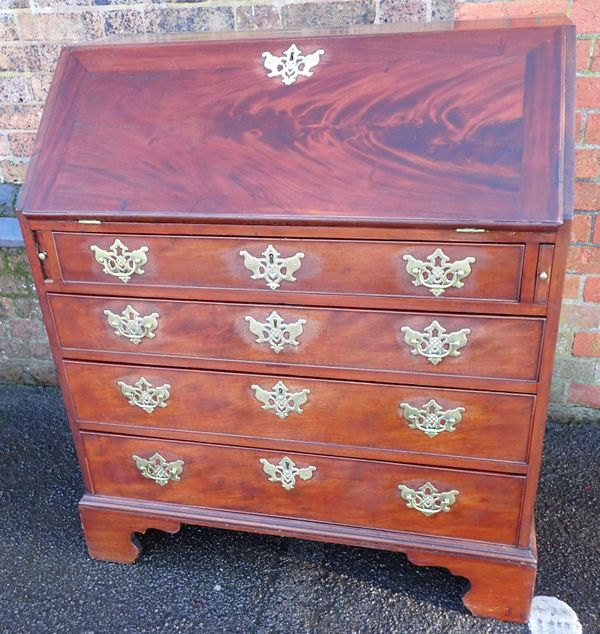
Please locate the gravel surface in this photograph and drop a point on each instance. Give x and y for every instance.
(209, 580)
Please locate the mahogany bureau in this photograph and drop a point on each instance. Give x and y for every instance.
(308, 284)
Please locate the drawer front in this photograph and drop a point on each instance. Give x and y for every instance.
(338, 490)
(377, 341)
(334, 413)
(333, 267)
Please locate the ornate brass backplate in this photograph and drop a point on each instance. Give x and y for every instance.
(144, 396)
(286, 472)
(431, 418)
(438, 273)
(435, 344)
(271, 267)
(292, 64)
(276, 332)
(427, 499)
(131, 325)
(158, 469)
(119, 261)
(280, 400)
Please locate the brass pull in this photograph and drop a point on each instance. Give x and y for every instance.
(42, 255)
(131, 325)
(119, 261)
(275, 331)
(438, 273)
(427, 499)
(286, 472)
(435, 344)
(543, 276)
(272, 267)
(280, 400)
(144, 396)
(158, 469)
(292, 64)
(431, 419)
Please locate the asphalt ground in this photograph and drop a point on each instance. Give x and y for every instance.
(216, 581)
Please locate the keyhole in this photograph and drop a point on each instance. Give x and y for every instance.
(271, 258)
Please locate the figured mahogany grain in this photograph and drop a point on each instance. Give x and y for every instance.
(327, 267)
(337, 413)
(364, 340)
(341, 490)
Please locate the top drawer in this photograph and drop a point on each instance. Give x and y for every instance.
(281, 266)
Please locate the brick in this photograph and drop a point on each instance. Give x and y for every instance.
(23, 349)
(48, 56)
(591, 290)
(564, 344)
(48, 27)
(584, 394)
(173, 19)
(14, 4)
(123, 22)
(40, 85)
(586, 16)
(327, 14)
(442, 9)
(570, 370)
(27, 329)
(21, 143)
(24, 307)
(470, 11)
(596, 236)
(15, 90)
(582, 53)
(4, 149)
(584, 260)
(20, 117)
(586, 344)
(19, 58)
(587, 196)
(62, 4)
(587, 92)
(587, 163)
(595, 65)
(579, 316)
(44, 373)
(8, 29)
(402, 11)
(592, 129)
(581, 228)
(572, 287)
(263, 16)
(13, 171)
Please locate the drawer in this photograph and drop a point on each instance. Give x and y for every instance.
(338, 490)
(373, 341)
(335, 414)
(281, 266)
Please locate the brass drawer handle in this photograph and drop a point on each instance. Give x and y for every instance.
(292, 64)
(144, 396)
(286, 472)
(280, 400)
(275, 331)
(131, 325)
(158, 469)
(438, 273)
(427, 499)
(119, 261)
(431, 419)
(272, 267)
(435, 344)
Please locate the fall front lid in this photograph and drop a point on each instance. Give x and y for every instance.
(463, 125)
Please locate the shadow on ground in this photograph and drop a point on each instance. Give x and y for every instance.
(214, 581)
